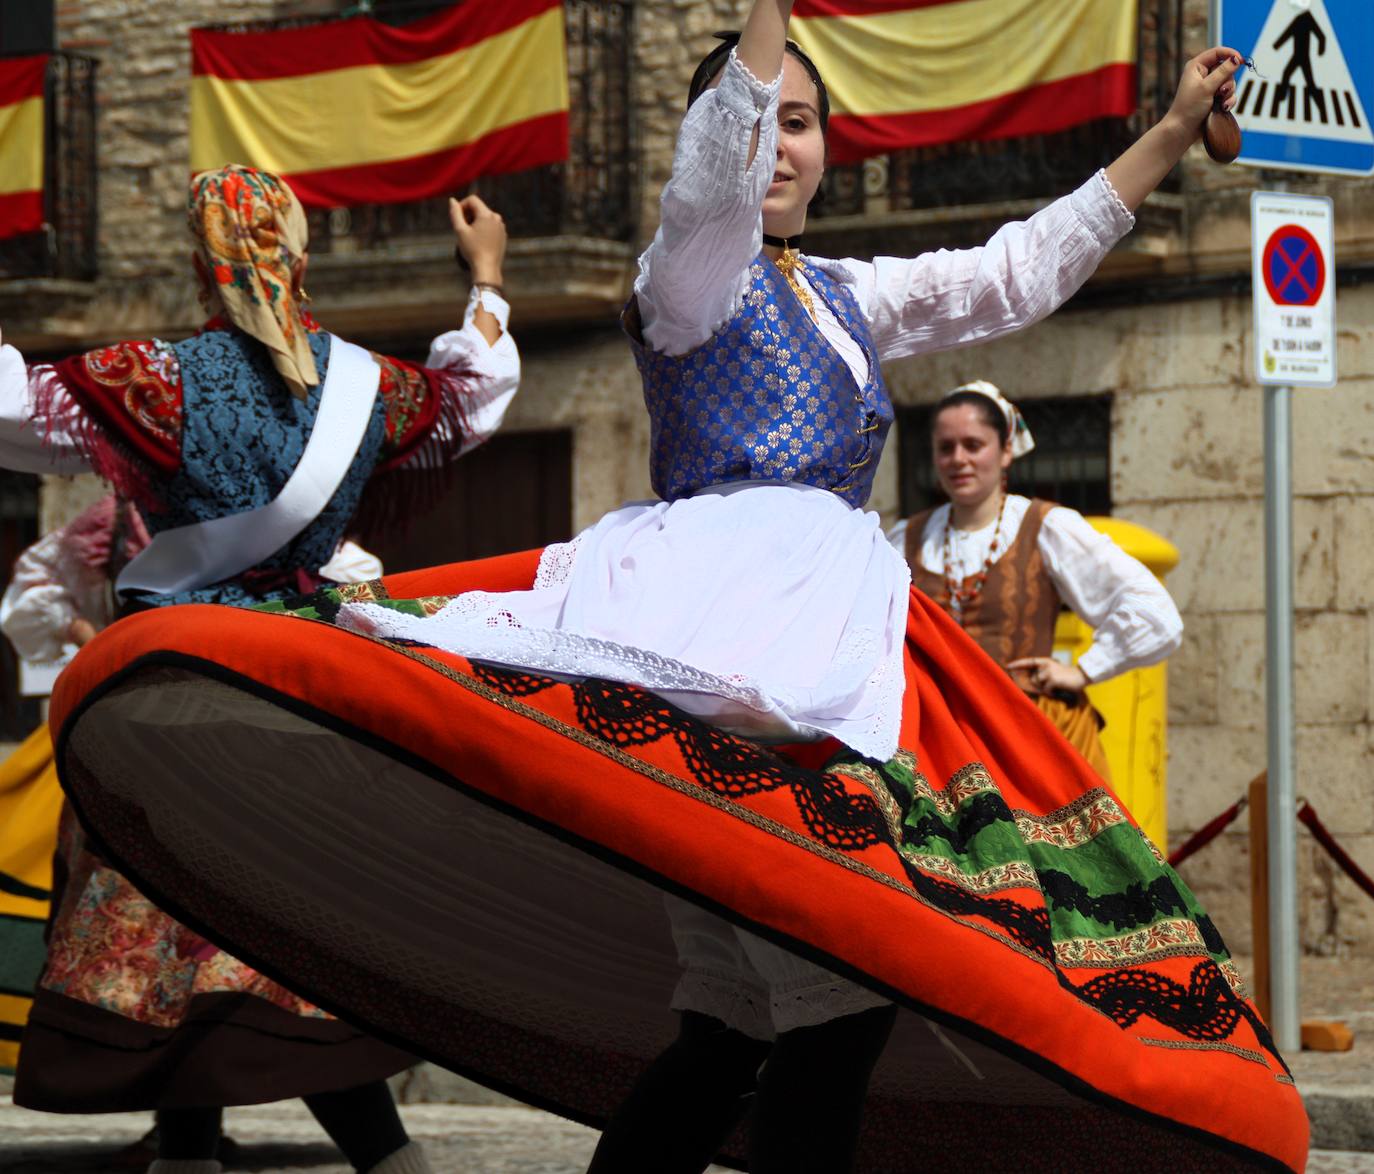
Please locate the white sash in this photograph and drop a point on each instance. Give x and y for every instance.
(187, 557)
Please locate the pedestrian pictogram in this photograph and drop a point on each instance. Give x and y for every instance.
(1295, 304)
(1301, 33)
(1294, 272)
(1305, 104)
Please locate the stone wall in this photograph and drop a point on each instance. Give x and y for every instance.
(1187, 461)
(1173, 350)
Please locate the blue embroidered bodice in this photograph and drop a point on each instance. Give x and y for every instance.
(242, 434)
(767, 398)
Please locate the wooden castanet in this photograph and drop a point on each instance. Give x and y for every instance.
(1221, 133)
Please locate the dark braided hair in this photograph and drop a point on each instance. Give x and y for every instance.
(714, 62)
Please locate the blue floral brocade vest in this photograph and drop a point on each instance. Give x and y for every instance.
(242, 435)
(767, 398)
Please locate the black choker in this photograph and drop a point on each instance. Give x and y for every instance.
(786, 243)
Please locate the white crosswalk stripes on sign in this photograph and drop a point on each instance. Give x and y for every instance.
(1304, 85)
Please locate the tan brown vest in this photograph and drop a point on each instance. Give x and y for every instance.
(1015, 612)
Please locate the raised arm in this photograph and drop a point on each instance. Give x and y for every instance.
(438, 412)
(764, 39)
(481, 236)
(952, 298)
(1144, 164)
(26, 444)
(710, 227)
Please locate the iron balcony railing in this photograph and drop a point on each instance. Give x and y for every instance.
(66, 245)
(1020, 168)
(591, 194)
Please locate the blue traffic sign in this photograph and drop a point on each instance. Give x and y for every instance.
(1306, 104)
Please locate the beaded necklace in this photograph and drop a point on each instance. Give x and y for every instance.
(957, 596)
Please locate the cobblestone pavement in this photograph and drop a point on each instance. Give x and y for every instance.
(505, 1138)
(284, 1139)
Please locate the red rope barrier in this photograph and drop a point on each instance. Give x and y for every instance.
(1205, 835)
(1307, 815)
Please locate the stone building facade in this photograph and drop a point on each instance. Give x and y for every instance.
(1164, 330)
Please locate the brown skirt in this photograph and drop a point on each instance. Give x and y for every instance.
(135, 1011)
(1079, 722)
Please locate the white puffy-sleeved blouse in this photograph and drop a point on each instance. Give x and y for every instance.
(1134, 620)
(495, 368)
(696, 272)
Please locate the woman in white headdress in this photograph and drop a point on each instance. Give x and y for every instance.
(1004, 566)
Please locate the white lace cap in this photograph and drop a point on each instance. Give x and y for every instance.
(1022, 441)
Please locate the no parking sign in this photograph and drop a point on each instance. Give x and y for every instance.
(1293, 248)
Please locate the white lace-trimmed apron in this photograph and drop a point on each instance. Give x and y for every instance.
(774, 611)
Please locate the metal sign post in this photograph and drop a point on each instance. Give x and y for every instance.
(1293, 256)
(1285, 1018)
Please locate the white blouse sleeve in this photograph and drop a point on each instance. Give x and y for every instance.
(38, 607)
(693, 275)
(352, 563)
(1135, 621)
(495, 367)
(896, 536)
(26, 446)
(1029, 268)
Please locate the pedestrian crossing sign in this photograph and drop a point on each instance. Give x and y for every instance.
(1305, 105)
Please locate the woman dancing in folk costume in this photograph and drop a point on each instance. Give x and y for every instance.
(59, 594)
(248, 449)
(732, 696)
(1003, 565)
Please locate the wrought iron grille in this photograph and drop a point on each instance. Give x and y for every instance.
(66, 246)
(591, 194)
(1070, 464)
(1020, 168)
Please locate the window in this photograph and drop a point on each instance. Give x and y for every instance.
(513, 493)
(26, 26)
(1070, 465)
(404, 11)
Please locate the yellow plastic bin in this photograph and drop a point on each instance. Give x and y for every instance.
(1135, 704)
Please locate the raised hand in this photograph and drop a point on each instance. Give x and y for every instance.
(481, 237)
(1149, 159)
(1207, 77)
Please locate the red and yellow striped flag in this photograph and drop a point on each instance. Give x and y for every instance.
(21, 144)
(360, 112)
(914, 73)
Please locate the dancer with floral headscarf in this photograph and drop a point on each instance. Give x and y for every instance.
(248, 448)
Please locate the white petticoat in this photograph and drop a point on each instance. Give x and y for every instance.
(772, 610)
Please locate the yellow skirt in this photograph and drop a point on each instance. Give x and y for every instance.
(30, 804)
(1078, 723)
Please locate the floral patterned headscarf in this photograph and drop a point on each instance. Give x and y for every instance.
(249, 228)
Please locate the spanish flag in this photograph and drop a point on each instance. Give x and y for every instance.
(916, 73)
(360, 112)
(21, 144)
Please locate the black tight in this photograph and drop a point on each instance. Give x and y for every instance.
(362, 1122)
(686, 1104)
(188, 1135)
(807, 1112)
(812, 1092)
